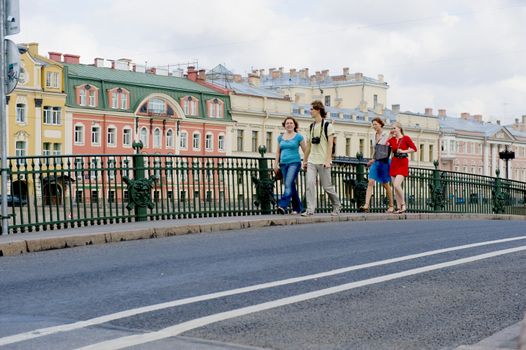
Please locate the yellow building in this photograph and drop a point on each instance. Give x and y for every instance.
(35, 123)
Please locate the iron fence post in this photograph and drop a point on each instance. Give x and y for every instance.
(360, 185)
(264, 184)
(498, 195)
(437, 201)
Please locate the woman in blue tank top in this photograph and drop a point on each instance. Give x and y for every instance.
(289, 161)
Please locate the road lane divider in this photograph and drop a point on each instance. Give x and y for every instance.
(138, 339)
(155, 307)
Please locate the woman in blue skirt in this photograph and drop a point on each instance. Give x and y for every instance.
(379, 168)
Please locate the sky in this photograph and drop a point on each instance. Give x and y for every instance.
(458, 55)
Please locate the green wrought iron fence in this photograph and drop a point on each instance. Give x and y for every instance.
(55, 192)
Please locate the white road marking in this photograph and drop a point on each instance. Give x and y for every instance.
(132, 312)
(172, 331)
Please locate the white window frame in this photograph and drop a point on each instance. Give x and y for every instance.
(156, 105)
(143, 136)
(124, 101)
(82, 97)
(183, 140)
(114, 100)
(209, 142)
(127, 137)
(157, 138)
(196, 141)
(169, 138)
(111, 134)
(21, 112)
(20, 151)
(221, 143)
(95, 135)
(52, 79)
(92, 94)
(78, 137)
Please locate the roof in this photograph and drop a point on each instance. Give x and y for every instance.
(287, 80)
(135, 78)
(346, 113)
(487, 129)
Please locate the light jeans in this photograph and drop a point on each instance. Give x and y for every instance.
(290, 174)
(325, 181)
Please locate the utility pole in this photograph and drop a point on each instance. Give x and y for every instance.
(9, 74)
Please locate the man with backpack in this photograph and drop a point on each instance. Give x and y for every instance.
(317, 159)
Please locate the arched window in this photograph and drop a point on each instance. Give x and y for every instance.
(169, 138)
(157, 138)
(144, 137)
(190, 105)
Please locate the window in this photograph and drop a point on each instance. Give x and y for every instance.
(79, 134)
(255, 136)
(327, 101)
(52, 79)
(94, 167)
(156, 105)
(190, 105)
(144, 137)
(46, 149)
(57, 151)
(269, 141)
(347, 146)
(82, 97)
(375, 100)
(126, 137)
(196, 141)
(169, 139)
(215, 108)
(20, 113)
(111, 169)
(95, 135)
(92, 98)
(209, 143)
(431, 155)
(362, 145)
(240, 140)
(157, 138)
(112, 136)
(52, 115)
(221, 143)
(183, 140)
(79, 164)
(124, 101)
(20, 148)
(114, 100)
(421, 153)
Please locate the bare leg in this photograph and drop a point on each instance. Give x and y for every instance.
(368, 193)
(389, 196)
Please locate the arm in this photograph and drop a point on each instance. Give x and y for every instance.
(306, 153)
(278, 156)
(328, 156)
(410, 146)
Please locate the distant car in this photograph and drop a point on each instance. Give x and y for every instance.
(15, 201)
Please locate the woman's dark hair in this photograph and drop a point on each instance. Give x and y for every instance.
(296, 125)
(379, 121)
(318, 105)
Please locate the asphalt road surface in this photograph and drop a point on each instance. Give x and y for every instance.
(353, 285)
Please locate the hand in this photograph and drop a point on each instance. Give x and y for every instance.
(327, 164)
(304, 166)
(370, 162)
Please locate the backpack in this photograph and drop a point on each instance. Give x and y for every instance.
(325, 125)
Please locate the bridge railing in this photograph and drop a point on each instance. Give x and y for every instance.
(68, 191)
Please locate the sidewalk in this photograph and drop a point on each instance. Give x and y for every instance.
(28, 242)
(21, 243)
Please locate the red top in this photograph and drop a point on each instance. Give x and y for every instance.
(400, 166)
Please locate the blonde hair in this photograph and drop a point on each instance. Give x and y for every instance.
(399, 126)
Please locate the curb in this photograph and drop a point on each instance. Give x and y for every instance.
(21, 243)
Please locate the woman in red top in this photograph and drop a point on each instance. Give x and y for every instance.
(401, 145)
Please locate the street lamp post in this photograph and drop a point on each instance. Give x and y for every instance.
(506, 156)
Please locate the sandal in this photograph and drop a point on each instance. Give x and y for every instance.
(401, 210)
(364, 209)
(390, 210)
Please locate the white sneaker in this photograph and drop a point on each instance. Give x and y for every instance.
(307, 213)
(336, 211)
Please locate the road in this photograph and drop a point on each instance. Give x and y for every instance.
(350, 285)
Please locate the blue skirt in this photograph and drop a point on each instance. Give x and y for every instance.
(379, 172)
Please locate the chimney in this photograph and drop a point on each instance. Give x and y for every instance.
(292, 72)
(395, 109)
(325, 73)
(441, 112)
(73, 59)
(55, 56)
(464, 115)
(498, 122)
(358, 76)
(306, 70)
(477, 117)
(239, 79)
(429, 112)
(346, 71)
(381, 78)
(524, 119)
(152, 70)
(121, 64)
(191, 73)
(261, 72)
(32, 48)
(516, 121)
(201, 75)
(253, 80)
(98, 62)
(275, 74)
